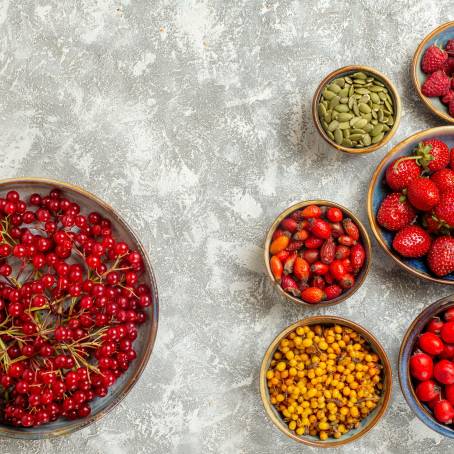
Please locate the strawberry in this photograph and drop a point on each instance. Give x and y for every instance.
(437, 84)
(423, 194)
(448, 97)
(434, 58)
(441, 256)
(444, 179)
(431, 223)
(433, 154)
(395, 212)
(445, 208)
(400, 172)
(412, 241)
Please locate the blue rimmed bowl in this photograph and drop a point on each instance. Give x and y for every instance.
(378, 191)
(439, 36)
(407, 348)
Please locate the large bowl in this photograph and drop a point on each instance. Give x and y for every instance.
(378, 191)
(407, 347)
(439, 37)
(346, 71)
(147, 331)
(366, 424)
(364, 238)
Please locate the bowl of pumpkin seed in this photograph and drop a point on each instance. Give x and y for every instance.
(356, 109)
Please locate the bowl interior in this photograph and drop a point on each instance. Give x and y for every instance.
(367, 423)
(438, 37)
(347, 71)
(378, 192)
(408, 345)
(147, 331)
(364, 239)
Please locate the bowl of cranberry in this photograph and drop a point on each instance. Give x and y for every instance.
(433, 71)
(411, 204)
(78, 308)
(426, 366)
(317, 253)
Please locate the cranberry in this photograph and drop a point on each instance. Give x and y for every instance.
(421, 366)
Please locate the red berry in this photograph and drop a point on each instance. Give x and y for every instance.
(440, 257)
(444, 372)
(320, 228)
(400, 172)
(443, 411)
(313, 295)
(431, 343)
(423, 194)
(427, 390)
(447, 332)
(436, 84)
(395, 212)
(334, 214)
(421, 366)
(412, 241)
(434, 58)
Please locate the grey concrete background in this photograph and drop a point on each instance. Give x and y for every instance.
(192, 118)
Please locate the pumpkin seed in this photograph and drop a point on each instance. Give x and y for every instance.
(364, 99)
(344, 100)
(321, 110)
(333, 125)
(378, 137)
(364, 108)
(356, 136)
(334, 88)
(356, 109)
(341, 108)
(344, 92)
(375, 88)
(338, 136)
(366, 140)
(346, 133)
(340, 82)
(334, 102)
(330, 135)
(375, 98)
(377, 130)
(328, 117)
(359, 82)
(361, 123)
(344, 116)
(351, 91)
(344, 125)
(360, 75)
(347, 143)
(362, 91)
(348, 79)
(357, 131)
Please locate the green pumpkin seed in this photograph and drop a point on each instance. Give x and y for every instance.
(359, 75)
(346, 133)
(334, 102)
(340, 82)
(386, 128)
(364, 99)
(333, 126)
(342, 108)
(344, 116)
(361, 123)
(375, 88)
(377, 130)
(351, 91)
(390, 121)
(368, 128)
(351, 101)
(377, 82)
(374, 114)
(330, 135)
(382, 96)
(321, 110)
(364, 108)
(378, 137)
(366, 140)
(347, 143)
(334, 88)
(338, 136)
(344, 125)
(344, 100)
(375, 98)
(356, 110)
(362, 91)
(381, 115)
(357, 131)
(348, 80)
(344, 92)
(334, 115)
(327, 94)
(374, 121)
(359, 81)
(356, 136)
(328, 117)
(388, 105)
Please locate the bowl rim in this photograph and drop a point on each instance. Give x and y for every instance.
(377, 347)
(403, 370)
(12, 432)
(414, 75)
(364, 237)
(348, 69)
(376, 229)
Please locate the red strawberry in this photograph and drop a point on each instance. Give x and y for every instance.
(395, 212)
(431, 223)
(423, 194)
(450, 47)
(434, 58)
(441, 256)
(433, 154)
(400, 172)
(446, 99)
(437, 84)
(445, 208)
(444, 179)
(412, 241)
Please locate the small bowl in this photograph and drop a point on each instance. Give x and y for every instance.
(407, 347)
(439, 36)
(364, 239)
(345, 71)
(378, 191)
(366, 424)
(146, 333)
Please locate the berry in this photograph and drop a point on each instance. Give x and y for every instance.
(423, 194)
(440, 257)
(412, 241)
(437, 84)
(447, 332)
(433, 154)
(445, 208)
(400, 172)
(313, 295)
(444, 179)
(434, 58)
(421, 366)
(427, 390)
(395, 212)
(444, 372)
(430, 343)
(443, 411)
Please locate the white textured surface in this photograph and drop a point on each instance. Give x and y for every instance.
(192, 118)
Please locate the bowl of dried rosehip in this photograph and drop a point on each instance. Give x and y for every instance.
(317, 253)
(411, 204)
(433, 70)
(78, 308)
(426, 366)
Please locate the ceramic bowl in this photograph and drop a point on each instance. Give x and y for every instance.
(378, 191)
(147, 331)
(439, 37)
(367, 424)
(345, 71)
(407, 347)
(364, 238)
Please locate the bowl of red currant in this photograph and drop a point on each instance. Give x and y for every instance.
(78, 308)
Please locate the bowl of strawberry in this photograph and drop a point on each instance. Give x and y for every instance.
(317, 253)
(433, 71)
(411, 204)
(78, 308)
(426, 366)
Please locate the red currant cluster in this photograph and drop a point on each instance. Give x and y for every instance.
(70, 302)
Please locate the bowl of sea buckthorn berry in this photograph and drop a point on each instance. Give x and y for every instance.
(317, 252)
(78, 308)
(325, 381)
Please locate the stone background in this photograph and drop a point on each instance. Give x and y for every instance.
(192, 118)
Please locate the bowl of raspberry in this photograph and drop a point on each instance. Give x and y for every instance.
(78, 308)
(411, 204)
(426, 366)
(433, 70)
